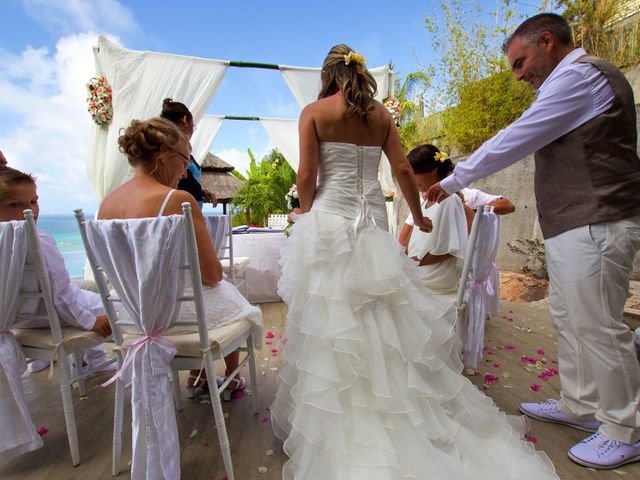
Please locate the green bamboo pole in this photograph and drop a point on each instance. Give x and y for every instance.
(267, 66)
(237, 117)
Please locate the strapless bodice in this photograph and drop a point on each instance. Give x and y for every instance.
(348, 182)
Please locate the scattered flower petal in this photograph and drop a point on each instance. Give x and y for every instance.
(489, 379)
(270, 334)
(193, 433)
(265, 419)
(540, 351)
(262, 469)
(534, 387)
(238, 394)
(532, 439)
(269, 452)
(509, 346)
(496, 365)
(42, 430)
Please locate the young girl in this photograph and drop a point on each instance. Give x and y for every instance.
(440, 251)
(75, 307)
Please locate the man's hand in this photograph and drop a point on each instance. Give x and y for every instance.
(102, 327)
(424, 224)
(436, 193)
(209, 197)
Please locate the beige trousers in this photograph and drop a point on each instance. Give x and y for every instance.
(589, 270)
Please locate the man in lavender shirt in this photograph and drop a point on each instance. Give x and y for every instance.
(582, 130)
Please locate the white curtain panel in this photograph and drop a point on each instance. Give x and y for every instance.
(284, 134)
(305, 85)
(139, 82)
(205, 134)
(142, 259)
(480, 295)
(17, 432)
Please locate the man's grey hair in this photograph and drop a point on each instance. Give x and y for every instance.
(529, 30)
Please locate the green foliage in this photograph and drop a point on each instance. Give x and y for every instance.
(264, 189)
(608, 29)
(536, 258)
(476, 95)
(485, 107)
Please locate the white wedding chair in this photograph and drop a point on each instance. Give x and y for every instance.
(148, 273)
(55, 342)
(218, 228)
(478, 289)
(235, 267)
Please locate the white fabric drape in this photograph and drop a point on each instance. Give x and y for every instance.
(284, 134)
(205, 134)
(142, 258)
(17, 432)
(218, 227)
(140, 81)
(480, 295)
(305, 85)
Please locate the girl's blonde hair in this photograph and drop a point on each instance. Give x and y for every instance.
(344, 69)
(142, 139)
(10, 177)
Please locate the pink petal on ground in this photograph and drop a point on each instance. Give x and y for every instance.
(534, 387)
(496, 365)
(238, 394)
(283, 340)
(489, 379)
(274, 350)
(270, 335)
(532, 439)
(509, 346)
(265, 419)
(269, 342)
(555, 362)
(510, 311)
(540, 351)
(489, 353)
(42, 430)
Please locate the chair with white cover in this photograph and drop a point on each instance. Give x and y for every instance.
(17, 432)
(53, 343)
(146, 260)
(218, 228)
(477, 293)
(235, 267)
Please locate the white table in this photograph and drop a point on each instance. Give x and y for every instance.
(263, 271)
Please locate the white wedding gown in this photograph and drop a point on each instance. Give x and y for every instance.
(371, 387)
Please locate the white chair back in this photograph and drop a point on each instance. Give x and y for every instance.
(17, 431)
(218, 227)
(477, 293)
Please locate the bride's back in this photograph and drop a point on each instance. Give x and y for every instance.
(333, 125)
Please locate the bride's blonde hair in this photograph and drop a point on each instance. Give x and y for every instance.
(345, 70)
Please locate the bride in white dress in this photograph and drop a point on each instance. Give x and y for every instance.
(371, 387)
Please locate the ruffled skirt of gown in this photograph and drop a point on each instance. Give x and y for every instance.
(371, 385)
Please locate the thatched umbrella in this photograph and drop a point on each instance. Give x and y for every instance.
(216, 178)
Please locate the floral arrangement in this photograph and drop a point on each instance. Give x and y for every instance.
(292, 198)
(99, 100)
(389, 196)
(441, 156)
(393, 105)
(355, 57)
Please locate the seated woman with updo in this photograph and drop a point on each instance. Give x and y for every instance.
(160, 155)
(440, 252)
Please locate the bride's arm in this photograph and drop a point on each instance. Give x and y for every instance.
(402, 170)
(307, 177)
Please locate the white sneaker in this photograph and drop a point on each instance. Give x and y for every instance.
(603, 453)
(37, 365)
(549, 411)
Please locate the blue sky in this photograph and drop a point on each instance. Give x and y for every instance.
(46, 58)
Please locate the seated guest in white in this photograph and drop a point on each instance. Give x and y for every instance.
(160, 155)
(476, 198)
(75, 307)
(439, 252)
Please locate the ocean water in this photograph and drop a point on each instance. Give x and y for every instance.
(64, 230)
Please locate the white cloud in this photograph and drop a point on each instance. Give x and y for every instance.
(72, 16)
(240, 158)
(46, 127)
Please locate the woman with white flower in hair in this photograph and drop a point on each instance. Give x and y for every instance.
(439, 253)
(370, 386)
